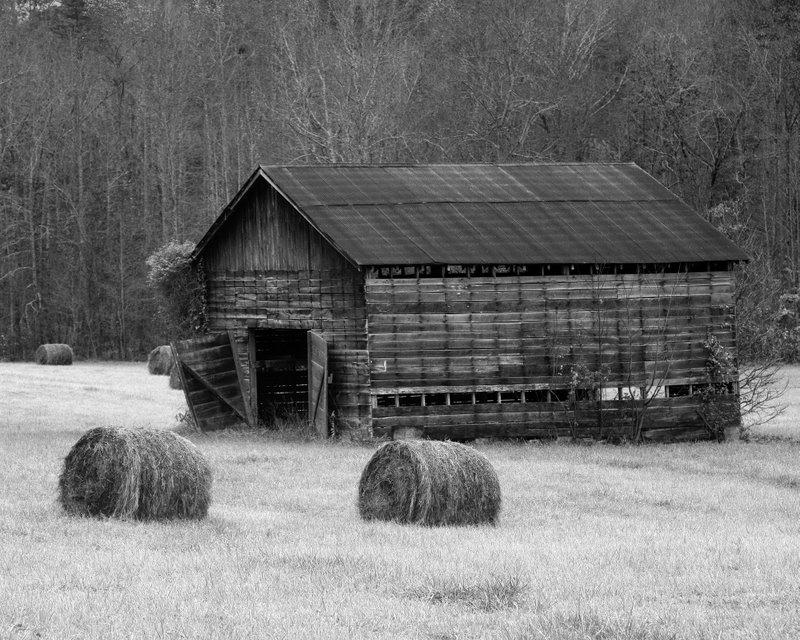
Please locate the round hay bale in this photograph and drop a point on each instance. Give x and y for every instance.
(56, 353)
(429, 483)
(160, 360)
(174, 378)
(142, 474)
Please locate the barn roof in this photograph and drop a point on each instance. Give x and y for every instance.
(482, 214)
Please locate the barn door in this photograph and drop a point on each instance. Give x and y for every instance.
(318, 383)
(209, 375)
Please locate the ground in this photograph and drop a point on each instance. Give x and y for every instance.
(602, 542)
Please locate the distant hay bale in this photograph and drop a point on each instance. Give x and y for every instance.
(429, 483)
(160, 360)
(141, 474)
(54, 354)
(174, 377)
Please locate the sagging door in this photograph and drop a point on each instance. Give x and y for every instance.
(318, 383)
(211, 380)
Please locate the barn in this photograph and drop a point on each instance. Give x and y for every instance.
(465, 301)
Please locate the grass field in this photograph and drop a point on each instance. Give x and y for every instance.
(595, 542)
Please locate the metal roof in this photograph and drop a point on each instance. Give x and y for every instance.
(481, 214)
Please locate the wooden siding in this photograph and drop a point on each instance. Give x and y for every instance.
(520, 333)
(210, 380)
(268, 268)
(267, 233)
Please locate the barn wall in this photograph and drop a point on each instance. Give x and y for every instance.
(268, 268)
(509, 335)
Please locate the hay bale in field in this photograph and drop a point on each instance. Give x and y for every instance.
(174, 377)
(160, 360)
(143, 474)
(429, 483)
(54, 354)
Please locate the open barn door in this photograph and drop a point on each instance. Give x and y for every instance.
(210, 378)
(318, 383)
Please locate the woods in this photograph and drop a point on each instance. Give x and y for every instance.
(126, 125)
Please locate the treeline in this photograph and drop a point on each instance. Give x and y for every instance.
(125, 124)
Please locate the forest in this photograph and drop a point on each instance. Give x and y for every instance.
(127, 124)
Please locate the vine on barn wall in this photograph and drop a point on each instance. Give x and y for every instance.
(722, 375)
(180, 286)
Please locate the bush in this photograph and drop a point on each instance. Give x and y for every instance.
(180, 287)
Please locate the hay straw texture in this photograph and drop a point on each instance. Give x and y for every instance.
(54, 354)
(429, 483)
(141, 474)
(160, 360)
(174, 378)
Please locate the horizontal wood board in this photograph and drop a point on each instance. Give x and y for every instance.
(526, 332)
(210, 381)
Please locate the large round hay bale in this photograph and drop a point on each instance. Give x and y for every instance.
(429, 483)
(54, 354)
(175, 378)
(160, 360)
(142, 474)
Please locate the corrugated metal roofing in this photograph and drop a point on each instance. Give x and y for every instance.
(331, 185)
(482, 214)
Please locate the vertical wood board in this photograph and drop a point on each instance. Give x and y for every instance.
(318, 383)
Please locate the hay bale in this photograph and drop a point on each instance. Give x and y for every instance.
(160, 360)
(429, 483)
(54, 354)
(174, 378)
(142, 474)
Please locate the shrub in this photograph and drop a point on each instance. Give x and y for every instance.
(180, 287)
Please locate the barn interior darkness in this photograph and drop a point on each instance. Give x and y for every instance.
(280, 361)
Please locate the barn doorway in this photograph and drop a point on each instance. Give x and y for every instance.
(280, 362)
(291, 377)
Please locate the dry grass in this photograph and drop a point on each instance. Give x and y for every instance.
(143, 474)
(429, 483)
(601, 542)
(160, 360)
(175, 377)
(54, 354)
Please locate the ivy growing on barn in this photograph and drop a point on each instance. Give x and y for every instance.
(180, 287)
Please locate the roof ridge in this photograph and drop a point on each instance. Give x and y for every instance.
(412, 165)
(457, 202)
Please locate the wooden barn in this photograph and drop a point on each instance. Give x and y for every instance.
(464, 301)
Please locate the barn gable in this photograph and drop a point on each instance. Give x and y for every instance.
(280, 240)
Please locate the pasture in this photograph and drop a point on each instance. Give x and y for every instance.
(594, 542)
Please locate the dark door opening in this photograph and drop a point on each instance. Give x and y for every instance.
(281, 372)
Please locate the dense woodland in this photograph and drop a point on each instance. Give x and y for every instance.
(125, 124)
